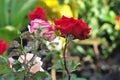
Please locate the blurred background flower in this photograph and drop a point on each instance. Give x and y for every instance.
(3, 46)
(37, 13)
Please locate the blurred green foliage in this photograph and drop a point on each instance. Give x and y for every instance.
(100, 17)
(13, 17)
(74, 77)
(4, 68)
(98, 14)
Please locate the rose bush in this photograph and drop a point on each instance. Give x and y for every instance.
(68, 26)
(42, 31)
(37, 13)
(29, 62)
(3, 47)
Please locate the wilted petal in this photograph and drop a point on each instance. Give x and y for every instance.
(11, 60)
(36, 67)
(28, 57)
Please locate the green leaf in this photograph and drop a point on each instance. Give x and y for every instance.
(8, 33)
(80, 49)
(42, 76)
(4, 69)
(4, 66)
(3, 13)
(3, 60)
(72, 65)
(105, 26)
(74, 77)
(16, 65)
(8, 76)
(14, 9)
(23, 11)
(59, 66)
(13, 76)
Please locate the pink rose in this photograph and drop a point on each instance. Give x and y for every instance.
(47, 30)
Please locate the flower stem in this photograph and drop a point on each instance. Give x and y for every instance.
(64, 58)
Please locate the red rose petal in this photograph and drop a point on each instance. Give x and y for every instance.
(72, 26)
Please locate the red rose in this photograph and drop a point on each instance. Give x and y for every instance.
(117, 18)
(72, 26)
(37, 13)
(3, 47)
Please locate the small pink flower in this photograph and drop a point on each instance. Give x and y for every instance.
(36, 67)
(47, 30)
(37, 63)
(11, 60)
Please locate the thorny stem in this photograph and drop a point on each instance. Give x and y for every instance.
(64, 58)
